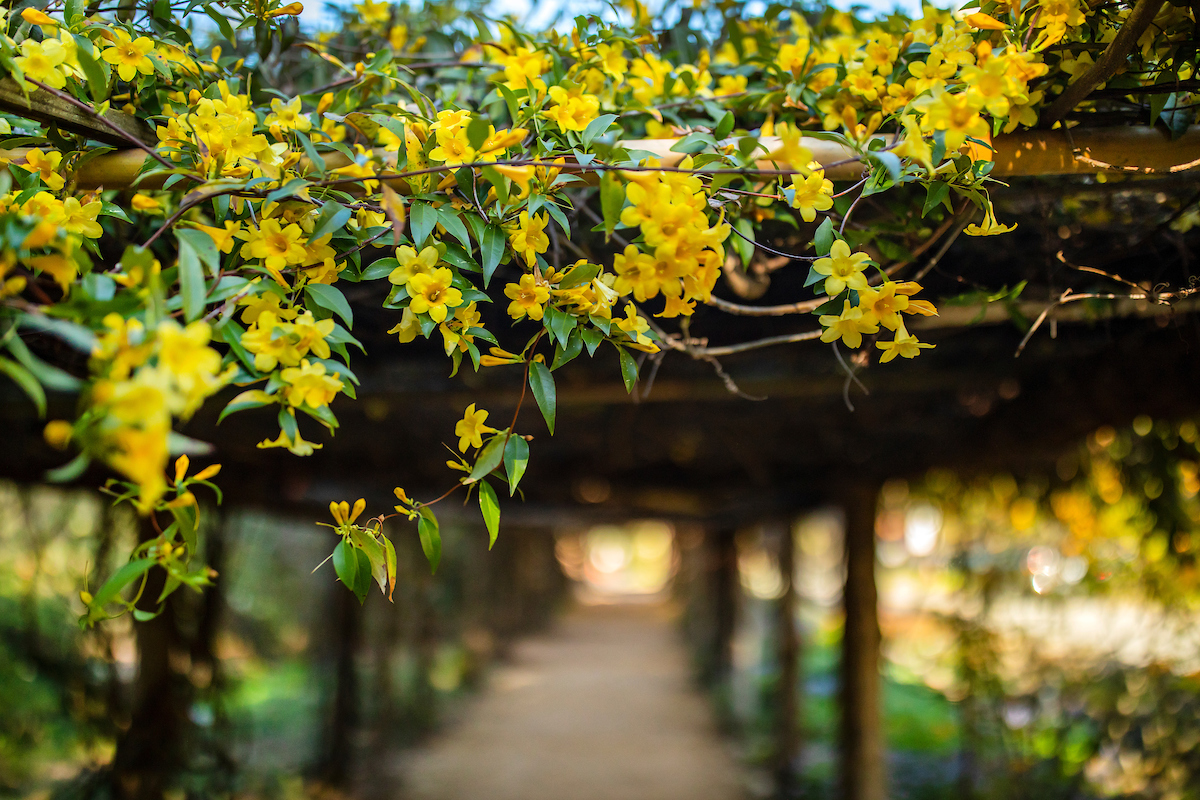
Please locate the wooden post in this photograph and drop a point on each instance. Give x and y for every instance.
(787, 730)
(723, 579)
(337, 756)
(862, 756)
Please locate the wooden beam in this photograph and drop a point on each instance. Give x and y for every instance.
(41, 106)
(1141, 150)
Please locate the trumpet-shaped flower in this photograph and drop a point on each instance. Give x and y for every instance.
(471, 427)
(843, 268)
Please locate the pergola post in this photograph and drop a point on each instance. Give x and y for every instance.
(723, 582)
(788, 696)
(862, 768)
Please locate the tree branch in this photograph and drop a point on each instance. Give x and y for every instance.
(1107, 65)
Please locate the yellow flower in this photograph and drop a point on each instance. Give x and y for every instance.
(222, 237)
(130, 56)
(984, 22)
(573, 109)
(905, 344)
(267, 301)
(612, 60)
(278, 246)
(373, 12)
(408, 327)
(309, 384)
(287, 116)
(635, 327)
(271, 348)
(530, 238)
(42, 61)
(990, 226)
(297, 446)
(528, 298)
(813, 194)
(35, 17)
(80, 218)
(849, 326)
(46, 167)
(471, 427)
(432, 294)
(58, 433)
(884, 303)
(412, 263)
(145, 203)
(290, 10)
(844, 270)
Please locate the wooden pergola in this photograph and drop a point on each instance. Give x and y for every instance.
(685, 447)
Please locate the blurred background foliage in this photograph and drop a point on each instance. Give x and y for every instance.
(1039, 635)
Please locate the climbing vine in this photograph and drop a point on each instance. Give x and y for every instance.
(188, 187)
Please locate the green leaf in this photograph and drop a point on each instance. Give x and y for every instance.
(222, 23)
(72, 11)
(542, 384)
(629, 370)
(362, 581)
(597, 127)
(744, 244)
(489, 457)
(560, 324)
(49, 376)
(289, 189)
(725, 126)
(454, 225)
(254, 398)
(823, 239)
(516, 458)
(566, 354)
(579, 275)
(70, 470)
(331, 299)
(612, 199)
(112, 587)
(333, 218)
(431, 538)
(389, 554)
(937, 192)
(29, 384)
(73, 334)
(489, 506)
(491, 249)
(421, 219)
(192, 288)
(95, 71)
(592, 338)
(345, 564)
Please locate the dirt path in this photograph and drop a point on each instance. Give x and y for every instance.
(597, 709)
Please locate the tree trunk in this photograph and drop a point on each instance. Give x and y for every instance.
(787, 733)
(862, 752)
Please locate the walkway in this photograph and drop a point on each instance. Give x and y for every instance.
(597, 709)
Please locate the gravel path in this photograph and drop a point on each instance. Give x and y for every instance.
(599, 708)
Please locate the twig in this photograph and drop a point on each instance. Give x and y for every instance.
(762, 246)
(805, 306)
(850, 378)
(126, 135)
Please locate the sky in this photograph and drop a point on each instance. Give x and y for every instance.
(525, 9)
